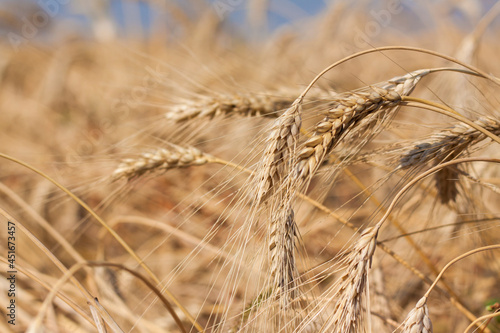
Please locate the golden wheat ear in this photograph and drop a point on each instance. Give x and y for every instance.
(446, 145)
(350, 312)
(350, 110)
(418, 320)
(248, 105)
(280, 150)
(161, 160)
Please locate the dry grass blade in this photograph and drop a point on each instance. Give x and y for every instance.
(160, 160)
(99, 322)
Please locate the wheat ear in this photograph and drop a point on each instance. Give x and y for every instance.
(161, 160)
(250, 105)
(280, 154)
(453, 140)
(418, 320)
(348, 111)
(282, 258)
(445, 146)
(348, 313)
(270, 179)
(280, 149)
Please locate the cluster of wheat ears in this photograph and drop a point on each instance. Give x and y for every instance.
(291, 158)
(372, 209)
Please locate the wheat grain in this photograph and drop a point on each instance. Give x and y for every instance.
(160, 159)
(418, 320)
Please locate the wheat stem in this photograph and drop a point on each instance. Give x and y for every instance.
(400, 48)
(460, 257)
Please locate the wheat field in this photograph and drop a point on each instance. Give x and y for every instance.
(339, 173)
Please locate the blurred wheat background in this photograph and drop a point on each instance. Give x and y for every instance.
(220, 201)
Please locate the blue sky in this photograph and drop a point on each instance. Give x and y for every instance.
(138, 18)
